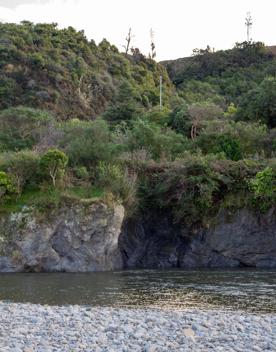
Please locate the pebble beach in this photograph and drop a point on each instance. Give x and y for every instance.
(38, 328)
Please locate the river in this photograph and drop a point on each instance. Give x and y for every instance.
(248, 290)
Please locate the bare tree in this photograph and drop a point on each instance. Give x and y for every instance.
(152, 45)
(129, 38)
(199, 113)
(248, 23)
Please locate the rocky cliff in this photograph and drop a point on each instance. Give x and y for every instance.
(74, 238)
(96, 237)
(239, 239)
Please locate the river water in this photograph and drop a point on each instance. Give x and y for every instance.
(248, 290)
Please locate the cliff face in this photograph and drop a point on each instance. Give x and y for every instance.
(97, 238)
(73, 239)
(234, 240)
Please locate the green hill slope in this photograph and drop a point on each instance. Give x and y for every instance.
(60, 70)
(224, 77)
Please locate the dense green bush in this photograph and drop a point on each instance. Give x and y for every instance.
(22, 168)
(212, 143)
(263, 185)
(119, 181)
(22, 128)
(161, 143)
(6, 187)
(259, 104)
(87, 142)
(186, 188)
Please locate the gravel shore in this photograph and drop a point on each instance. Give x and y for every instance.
(29, 328)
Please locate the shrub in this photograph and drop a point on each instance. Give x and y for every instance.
(53, 164)
(161, 143)
(81, 173)
(263, 186)
(87, 143)
(21, 166)
(215, 143)
(117, 180)
(187, 188)
(6, 187)
(21, 127)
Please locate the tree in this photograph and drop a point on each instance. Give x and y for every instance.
(54, 163)
(200, 112)
(126, 104)
(180, 119)
(129, 37)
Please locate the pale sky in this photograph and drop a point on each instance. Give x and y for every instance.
(179, 25)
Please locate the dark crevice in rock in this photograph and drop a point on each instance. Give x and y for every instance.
(246, 265)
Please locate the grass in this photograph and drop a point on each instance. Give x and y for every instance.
(50, 198)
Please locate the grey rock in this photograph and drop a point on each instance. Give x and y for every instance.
(74, 239)
(241, 238)
(95, 237)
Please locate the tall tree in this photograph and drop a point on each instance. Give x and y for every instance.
(128, 39)
(152, 45)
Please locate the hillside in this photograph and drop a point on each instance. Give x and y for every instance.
(61, 71)
(80, 121)
(226, 77)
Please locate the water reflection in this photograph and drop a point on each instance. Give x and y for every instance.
(249, 290)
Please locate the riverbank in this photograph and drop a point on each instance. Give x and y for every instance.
(29, 328)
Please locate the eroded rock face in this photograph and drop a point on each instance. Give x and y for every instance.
(73, 239)
(96, 237)
(234, 240)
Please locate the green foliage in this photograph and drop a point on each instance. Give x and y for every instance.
(189, 119)
(158, 116)
(195, 91)
(22, 128)
(61, 71)
(6, 187)
(263, 185)
(53, 164)
(188, 188)
(87, 142)
(126, 105)
(237, 76)
(81, 173)
(231, 111)
(118, 181)
(180, 119)
(246, 139)
(22, 167)
(161, 143)
(220, 143)
(199, 152)
(259, 104)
